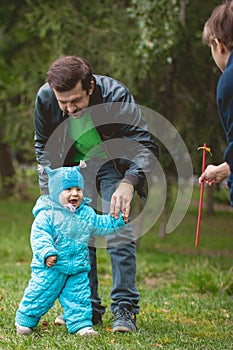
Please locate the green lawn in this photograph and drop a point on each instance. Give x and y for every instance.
(186, 292)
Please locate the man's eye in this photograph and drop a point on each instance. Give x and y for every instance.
(77, 100)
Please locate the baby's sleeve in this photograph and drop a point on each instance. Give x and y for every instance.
(106, 224)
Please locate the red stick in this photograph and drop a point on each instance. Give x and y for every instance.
(201, 197)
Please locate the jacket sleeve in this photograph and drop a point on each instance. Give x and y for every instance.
(47, 117)
(142, 149)
(41, 238)
(127, 121)
(105, 224)
(225, 109)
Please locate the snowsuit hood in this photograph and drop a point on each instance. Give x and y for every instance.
(62, 178)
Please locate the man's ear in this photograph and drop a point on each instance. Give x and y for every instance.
(220, 46)
(91, 88)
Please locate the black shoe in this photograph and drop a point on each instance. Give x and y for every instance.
(124, 321)
(96, 317)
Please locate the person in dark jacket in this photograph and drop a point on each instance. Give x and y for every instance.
(82, 116)
(63, 224)
(218, 34)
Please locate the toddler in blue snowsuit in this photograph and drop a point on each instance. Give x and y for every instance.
(59, 238)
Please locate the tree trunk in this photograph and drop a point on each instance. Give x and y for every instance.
(138, 205)
(210, 201)
(7, 170)
(166, 210)
(182, 15)
(163, 224)
(168, 112)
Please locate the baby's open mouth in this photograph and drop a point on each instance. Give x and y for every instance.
(73, 201)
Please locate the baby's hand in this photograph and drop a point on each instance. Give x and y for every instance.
(51, 260)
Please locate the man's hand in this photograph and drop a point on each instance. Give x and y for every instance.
(121, 200)
(51, 260)
(215, 173)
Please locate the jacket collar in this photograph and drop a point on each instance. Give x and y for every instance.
(230, 60)
(96, 98)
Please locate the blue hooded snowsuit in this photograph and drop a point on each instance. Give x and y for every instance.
(59, 231)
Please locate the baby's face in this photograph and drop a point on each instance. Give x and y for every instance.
(72, 195)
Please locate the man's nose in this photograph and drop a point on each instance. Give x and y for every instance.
(70, 107)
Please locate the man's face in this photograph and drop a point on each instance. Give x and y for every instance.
(75, 101)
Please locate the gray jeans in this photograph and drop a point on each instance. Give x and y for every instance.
(121, 247)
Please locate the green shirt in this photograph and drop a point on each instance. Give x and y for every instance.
(87, 141)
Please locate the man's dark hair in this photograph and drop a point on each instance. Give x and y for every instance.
(67, 71)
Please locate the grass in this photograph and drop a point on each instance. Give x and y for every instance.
(186, 292)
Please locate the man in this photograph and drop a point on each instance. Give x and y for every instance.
(218, 34)
(81, 116)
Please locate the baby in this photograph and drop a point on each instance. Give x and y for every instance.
(63, 224)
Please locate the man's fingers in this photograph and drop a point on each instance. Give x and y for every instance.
(118, 207)
(112, 205)
(121, 200)
(115, 206)
(126, 212)
(119, 204)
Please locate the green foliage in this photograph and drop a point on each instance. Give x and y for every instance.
(178, 74)
(40, 33)
(154, 47)
(158, 22)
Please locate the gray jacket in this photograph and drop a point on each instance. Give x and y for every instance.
(115, 115)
